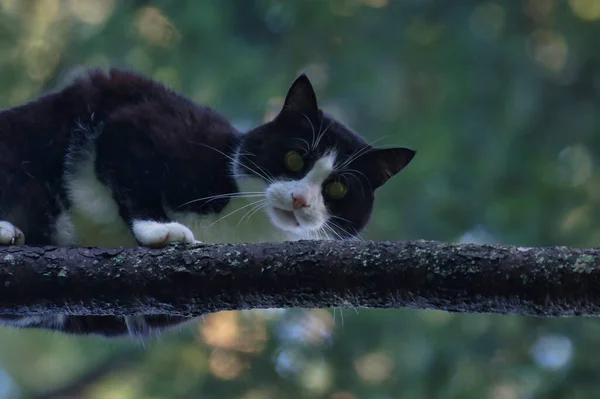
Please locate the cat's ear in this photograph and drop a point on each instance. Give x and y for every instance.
(301, 97)
(379, 165)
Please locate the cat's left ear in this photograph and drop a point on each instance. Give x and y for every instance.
(301, 98)
(380, 165)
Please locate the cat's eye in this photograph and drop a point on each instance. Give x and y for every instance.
(336, 190)
(294, 161)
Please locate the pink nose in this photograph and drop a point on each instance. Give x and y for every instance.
(299, 201)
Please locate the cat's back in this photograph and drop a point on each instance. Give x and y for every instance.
(104, 92)
(43, 127)
(166, 115)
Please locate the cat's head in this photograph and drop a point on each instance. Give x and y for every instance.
(319, 176)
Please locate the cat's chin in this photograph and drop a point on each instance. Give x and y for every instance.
(287, 219)
(289, 224)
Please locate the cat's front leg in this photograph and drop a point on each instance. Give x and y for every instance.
(128, 162)
(11, 234)
(157, 235)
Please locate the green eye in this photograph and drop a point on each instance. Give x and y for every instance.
(336, 190)
(294, 161)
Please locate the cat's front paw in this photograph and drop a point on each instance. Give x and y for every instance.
(158, 235)
(11, 234)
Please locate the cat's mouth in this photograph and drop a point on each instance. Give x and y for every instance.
(286, 215)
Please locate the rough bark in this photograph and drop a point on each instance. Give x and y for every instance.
(193, 280)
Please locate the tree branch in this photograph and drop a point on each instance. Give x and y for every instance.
(193, 280)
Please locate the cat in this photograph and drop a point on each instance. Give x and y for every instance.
(117, 159)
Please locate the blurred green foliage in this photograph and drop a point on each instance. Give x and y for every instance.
(498, 97)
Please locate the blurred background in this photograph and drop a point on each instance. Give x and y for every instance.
(500, 98)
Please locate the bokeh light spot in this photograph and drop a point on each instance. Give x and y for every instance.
(588, 10)
(487, 21)
(226, 365)
(92, 12)
(155, 27)
(548, 49)
(552, 352)
(374, 367)
(575, 165)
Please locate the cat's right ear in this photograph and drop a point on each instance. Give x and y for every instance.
(301, 98)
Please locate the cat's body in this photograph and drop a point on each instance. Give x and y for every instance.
(78, 149)
(119, 160)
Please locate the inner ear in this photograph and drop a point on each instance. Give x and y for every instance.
(382, 164)
(301, 98)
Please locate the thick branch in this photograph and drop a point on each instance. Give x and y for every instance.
(194, 280)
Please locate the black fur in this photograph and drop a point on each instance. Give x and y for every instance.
(153, 148)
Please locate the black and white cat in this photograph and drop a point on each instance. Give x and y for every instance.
(116, 159)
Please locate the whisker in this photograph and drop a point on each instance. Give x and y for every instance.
(248, 154)
(307, 149)
(362, 188)
(327, 225)
(265, 175)
(361, 173)
(312, 127)
(327, 234)
(256, 210)
(322, 134)
(339, 217)
(238, 175)
(248, 194)
(233, 160)
(367, 148)
(357, 235)
(234, 211)
(251, 212)
(320, 127)
(321, 231)
(337, 226)
(314, 234)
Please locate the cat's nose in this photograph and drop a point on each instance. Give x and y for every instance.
(299, 201)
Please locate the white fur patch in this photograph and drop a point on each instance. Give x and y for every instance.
(94, 218)
(306, 219)
(154, 234)
(64, 230)
(10, 234)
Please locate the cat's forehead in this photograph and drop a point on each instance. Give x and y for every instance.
(315, 138)
(322, 168)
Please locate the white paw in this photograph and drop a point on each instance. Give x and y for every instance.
(10, 234)
(157, 235)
